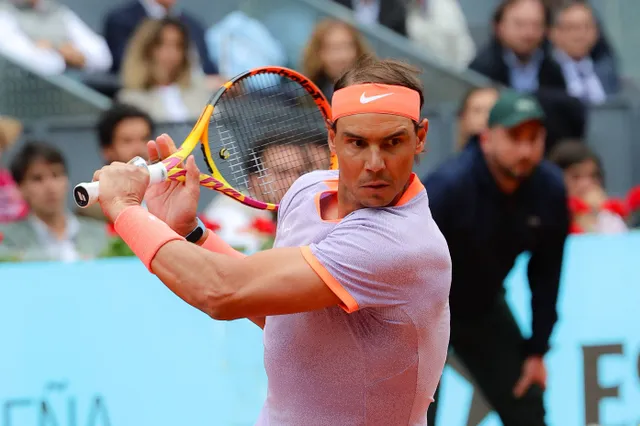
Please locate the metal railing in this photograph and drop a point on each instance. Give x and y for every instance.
(26, 95)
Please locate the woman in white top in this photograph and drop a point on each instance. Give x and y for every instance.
(157, 75)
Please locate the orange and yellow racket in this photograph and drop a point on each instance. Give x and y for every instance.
(259, 132)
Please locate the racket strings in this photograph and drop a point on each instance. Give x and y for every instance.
(270, 132)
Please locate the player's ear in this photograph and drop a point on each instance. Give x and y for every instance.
(421, 132)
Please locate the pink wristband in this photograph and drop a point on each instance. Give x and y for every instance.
(144, 233)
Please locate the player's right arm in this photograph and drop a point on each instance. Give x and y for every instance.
(359, 265)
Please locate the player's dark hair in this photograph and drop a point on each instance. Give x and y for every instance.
(369, 69)
(30, 153)
(110, 119)
(568, 153)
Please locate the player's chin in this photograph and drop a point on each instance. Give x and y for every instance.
(375, 198)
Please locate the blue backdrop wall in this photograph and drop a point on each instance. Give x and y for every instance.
(105, 343)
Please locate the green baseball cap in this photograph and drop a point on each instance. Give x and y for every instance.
(513, 108)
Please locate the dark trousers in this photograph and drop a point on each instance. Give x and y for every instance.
(491, 346)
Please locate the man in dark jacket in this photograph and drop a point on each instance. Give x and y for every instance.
(390, 13)
(493, 202)
(519, 56)
(122, 22)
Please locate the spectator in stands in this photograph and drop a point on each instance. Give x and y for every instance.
(49, 38)
(123, 132)
(593, 210)
(474, 113)
(390, 13)
(440, 27)
(157, 76)
(575, 33)
(12, 206)
(122, 23)
(333, 47)
(518, 55)
(50, 232)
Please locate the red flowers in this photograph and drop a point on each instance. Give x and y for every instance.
(211, 225)
(263, 226)
(633, 199)
(111, 230)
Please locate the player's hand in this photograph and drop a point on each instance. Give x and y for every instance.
(121, 186)
(533, 372)
(176, 203)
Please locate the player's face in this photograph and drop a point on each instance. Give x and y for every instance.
(281, 166)
(130, 139)
(376, 154)
(515, 152)
(44, 188)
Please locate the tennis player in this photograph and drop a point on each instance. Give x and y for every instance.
(355, 292)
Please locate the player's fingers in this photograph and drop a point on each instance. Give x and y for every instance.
(193, 174)
(96, 175)
(522, 386)
(164, 146)
(152, 150)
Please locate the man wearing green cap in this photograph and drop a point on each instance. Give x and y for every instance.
(496, 200)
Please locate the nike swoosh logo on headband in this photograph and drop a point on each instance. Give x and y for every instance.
(365, 100)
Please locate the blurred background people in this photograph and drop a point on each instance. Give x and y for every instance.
(50, 232)
(389, 13)
(12, 205)
(332, 48)
(518, 55)
(474, 113)
(123, 21)
(440, 27)
(157, 73)
(590, 76)
(47, 36)
(123, 132)
(584, 179)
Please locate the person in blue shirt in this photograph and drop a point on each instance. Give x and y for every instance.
(494, 201)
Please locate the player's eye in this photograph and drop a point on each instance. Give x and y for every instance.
(395, 142)
(358, 143)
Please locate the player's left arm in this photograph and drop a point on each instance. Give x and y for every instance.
(544, 271)
(271, 282)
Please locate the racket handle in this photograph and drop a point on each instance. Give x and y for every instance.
(87, 193)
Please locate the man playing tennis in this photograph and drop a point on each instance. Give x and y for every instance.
(355, 292)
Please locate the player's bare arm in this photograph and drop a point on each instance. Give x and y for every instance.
(272, 282)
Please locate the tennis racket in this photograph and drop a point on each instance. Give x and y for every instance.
(259, 132)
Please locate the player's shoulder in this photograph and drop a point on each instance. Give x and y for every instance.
(309, 183)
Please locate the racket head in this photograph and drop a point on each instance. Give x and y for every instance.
(268, 127)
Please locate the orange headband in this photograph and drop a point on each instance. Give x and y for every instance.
(378, 99)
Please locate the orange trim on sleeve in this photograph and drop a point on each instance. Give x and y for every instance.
(349, 304)
(332, 186)
(415, 188)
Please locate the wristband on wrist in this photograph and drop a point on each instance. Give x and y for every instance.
(197, 233)
(144, 233)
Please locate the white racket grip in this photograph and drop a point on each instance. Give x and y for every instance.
(87, 193)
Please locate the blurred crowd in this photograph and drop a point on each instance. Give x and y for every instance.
(166, 64)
